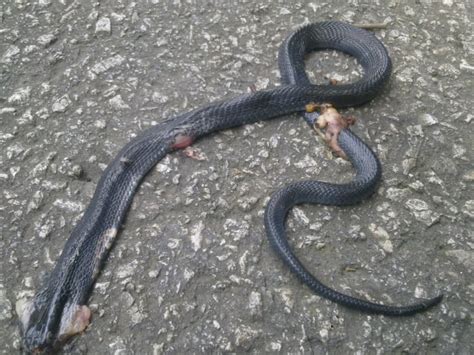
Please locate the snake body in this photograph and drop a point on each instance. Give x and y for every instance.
(58, 309)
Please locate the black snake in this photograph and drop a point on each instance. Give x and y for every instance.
(58, 309)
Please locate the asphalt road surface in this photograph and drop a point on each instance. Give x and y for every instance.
(192, 271)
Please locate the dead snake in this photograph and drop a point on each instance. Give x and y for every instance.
(58, 309)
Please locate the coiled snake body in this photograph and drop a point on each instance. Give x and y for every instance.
(58, 310)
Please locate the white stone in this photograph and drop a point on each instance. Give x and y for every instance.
(468, 208)
(103, 25)
(188, 274)
(72, 206)
(196, 236)
(107, 64)
(47, 39)
(255, 303)
(127, 270)
(159, 98)
(61, 104)
(5, 306)
(427, 120)
(118, 103)
(101, 124)
(10, 54)
(465, 257)
(383, 237)
(415, 204)
(20, 96)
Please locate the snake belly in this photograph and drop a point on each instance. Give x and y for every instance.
(58, 310)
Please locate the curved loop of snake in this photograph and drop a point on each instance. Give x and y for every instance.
(58, 309)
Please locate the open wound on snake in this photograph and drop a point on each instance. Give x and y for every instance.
(74, 320)
(181, 141)
(184, 142)
(332, 122)
(75, 317)
(105, 243)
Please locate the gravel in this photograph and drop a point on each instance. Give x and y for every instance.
(192, 270)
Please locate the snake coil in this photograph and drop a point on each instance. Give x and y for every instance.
(58, 309)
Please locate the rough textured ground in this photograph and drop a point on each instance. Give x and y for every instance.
(192, 270)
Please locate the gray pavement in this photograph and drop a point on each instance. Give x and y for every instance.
(192, 271)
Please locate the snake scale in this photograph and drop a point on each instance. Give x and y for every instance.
(58, 310)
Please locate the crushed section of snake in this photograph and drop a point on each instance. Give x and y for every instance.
(58, 309)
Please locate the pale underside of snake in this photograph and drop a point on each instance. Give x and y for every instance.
(59, 309)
